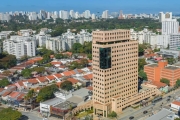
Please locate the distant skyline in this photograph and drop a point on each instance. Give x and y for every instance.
(128, 6)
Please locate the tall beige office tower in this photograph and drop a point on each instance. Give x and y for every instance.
(115, 70)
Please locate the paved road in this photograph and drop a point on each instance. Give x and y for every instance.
(150, 108)
(31, 116)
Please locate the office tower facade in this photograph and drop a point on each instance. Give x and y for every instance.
(93, 16)
(115, 68)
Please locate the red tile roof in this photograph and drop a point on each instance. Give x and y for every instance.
(58, 84)
(159, 84)
(74, 81)
(79, 70)
(55, 63)
(1, 89)
(62, 66)
(58, 75)
(6, 93)
(68, 73)
(176, 103)
(33, 81)
(21, 96)
(89, 61)
(90, 88)
(42, 79)
(88, 76)
(50, 77)
(20, 83)
(14, 94)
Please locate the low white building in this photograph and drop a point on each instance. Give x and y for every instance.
(175, 105)
(45, 107)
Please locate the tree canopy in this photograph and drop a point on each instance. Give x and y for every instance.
(78, 64)
(7, 61)
(178, 82)
(66, 85)
(141, 63)
(112, 114)
(9, 114)
(142, 74)
(4, 82)
(164, 80)
(47, 93)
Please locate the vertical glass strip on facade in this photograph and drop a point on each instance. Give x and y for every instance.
(105, 58)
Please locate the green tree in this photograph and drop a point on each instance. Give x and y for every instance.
(141, 63)
(38, 69)
(177, 119)
(171, 60)
(178, 82)
(142, 74)
(26, 73)
(9, 114)
(164, 80)
(59, 56)
(141, 48)
(156, 50)
(47, 93)
(4, 82)
(66, 85)
(76, 48)
(89, 56)
(112, 114)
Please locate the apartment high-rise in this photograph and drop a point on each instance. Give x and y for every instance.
(115, 72)
(105, 14)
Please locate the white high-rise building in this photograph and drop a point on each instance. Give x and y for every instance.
(64, 14)
(5, 17)
(76, 15)
(87, 14)
(72, 14)
(55, 15)
(93, 16)
(105, 14)
(20, 46)
(165, 16)
(33, 16)
(170, 26)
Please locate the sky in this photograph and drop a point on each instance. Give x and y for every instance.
(128, 6)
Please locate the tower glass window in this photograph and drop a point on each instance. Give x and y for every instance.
(105, 58)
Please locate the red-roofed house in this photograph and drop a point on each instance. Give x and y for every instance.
(42, 79)
(20, 97)
(33, 81)
(68, 73)
(50, 78)
(20, 84)
(56, 63)
(88, 77)
(58, 76)
(14, 94)
(5, 95)
(75, 82)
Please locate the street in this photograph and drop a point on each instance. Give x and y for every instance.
(151, 109)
